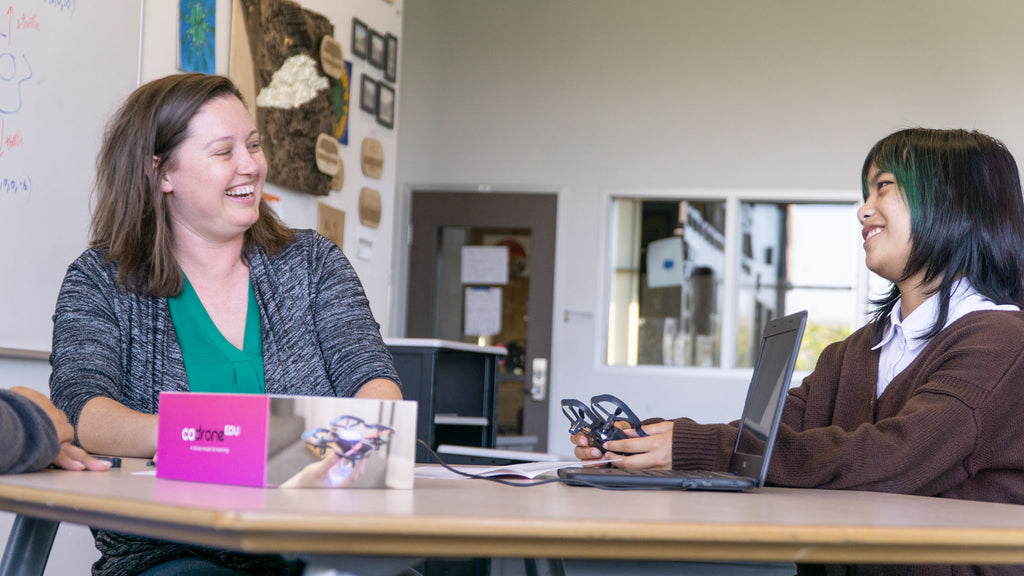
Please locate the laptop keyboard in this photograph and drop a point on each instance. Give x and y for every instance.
(697, 474)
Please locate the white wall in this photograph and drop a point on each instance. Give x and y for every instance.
(73, 549)
(589, 97)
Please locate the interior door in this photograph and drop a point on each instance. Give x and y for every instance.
(454, 293)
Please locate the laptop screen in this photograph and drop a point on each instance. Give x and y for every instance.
(766, 395)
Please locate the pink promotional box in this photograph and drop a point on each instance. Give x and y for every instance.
(286, 441)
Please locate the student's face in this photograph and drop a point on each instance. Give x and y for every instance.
(885, 226)
(214, 190)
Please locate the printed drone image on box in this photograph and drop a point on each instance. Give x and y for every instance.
(286, 441)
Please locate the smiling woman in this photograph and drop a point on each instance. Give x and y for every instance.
(192, 283)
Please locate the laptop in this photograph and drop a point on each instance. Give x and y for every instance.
(758, 426)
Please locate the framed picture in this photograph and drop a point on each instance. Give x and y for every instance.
(360, 38)
(391, 58)
(368, 93)
(386, 105)
(197, 26)
(377, 45)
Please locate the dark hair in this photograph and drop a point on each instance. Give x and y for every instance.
(966, 207)
(130, 221)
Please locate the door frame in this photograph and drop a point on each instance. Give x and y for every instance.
(494, 210)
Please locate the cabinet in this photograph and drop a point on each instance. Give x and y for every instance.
(455, 386)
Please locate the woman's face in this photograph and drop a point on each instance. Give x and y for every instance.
(214, 190)
(885, 226)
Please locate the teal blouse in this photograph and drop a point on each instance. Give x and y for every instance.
(212, 364)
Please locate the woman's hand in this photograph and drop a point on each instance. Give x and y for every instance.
(651, 452)
(106, 426)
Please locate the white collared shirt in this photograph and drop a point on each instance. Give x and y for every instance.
(902, 341)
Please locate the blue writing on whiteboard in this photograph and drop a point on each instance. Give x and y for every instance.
(15, 185)
(12, 76)
(61, 5)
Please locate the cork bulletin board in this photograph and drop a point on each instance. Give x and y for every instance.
(292, 107)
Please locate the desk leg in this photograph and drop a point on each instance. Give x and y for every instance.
(28, 546)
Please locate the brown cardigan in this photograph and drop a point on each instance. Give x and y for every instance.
(950, 425)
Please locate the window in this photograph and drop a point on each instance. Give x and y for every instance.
(694, 278)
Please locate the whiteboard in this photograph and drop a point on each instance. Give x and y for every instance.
(65, 66)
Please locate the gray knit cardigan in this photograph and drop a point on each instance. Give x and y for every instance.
(319, 339)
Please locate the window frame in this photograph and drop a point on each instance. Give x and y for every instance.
(732, 198)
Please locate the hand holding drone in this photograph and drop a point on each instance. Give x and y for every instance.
(349, 437)
(598, 420)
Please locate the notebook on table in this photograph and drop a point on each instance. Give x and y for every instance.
(759, 424)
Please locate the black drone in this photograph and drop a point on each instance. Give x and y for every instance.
(598, 420)
(349, 437)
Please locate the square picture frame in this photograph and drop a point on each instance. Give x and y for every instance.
(360, 38)
(385, 105)
(377, 48)
(391, 58)
(369, 92)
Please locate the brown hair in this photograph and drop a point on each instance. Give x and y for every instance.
(130, 221)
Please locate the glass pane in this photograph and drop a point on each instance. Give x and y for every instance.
(667, 302)
(794, 257)
(482, 306)
(667, 269)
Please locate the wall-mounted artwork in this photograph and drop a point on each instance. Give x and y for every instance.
(377, 47)
(386, 106)
(368, 90)
(340, 98)
(391, 58)
(371, 157)
(369, 207)
(360, 38)
(331, 223)
(295, 95)
(197, 27)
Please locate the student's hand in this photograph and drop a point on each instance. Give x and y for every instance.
(74, 458)
(70, 457)
(651, 452)
(584, 451)
(330, 472)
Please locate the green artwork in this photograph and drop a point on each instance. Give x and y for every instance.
(196, 30)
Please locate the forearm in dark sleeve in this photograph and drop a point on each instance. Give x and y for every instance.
(29, 439)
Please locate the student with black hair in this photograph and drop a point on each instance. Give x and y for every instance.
(927, 398)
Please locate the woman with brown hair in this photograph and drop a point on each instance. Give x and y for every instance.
(191, 283)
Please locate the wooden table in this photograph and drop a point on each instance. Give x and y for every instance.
(473, 518)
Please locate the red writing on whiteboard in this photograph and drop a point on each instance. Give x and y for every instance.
(27, 23)
(24, 22)
(8, 141)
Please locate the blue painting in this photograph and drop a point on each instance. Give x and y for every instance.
(340, 104)
(197, 26)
